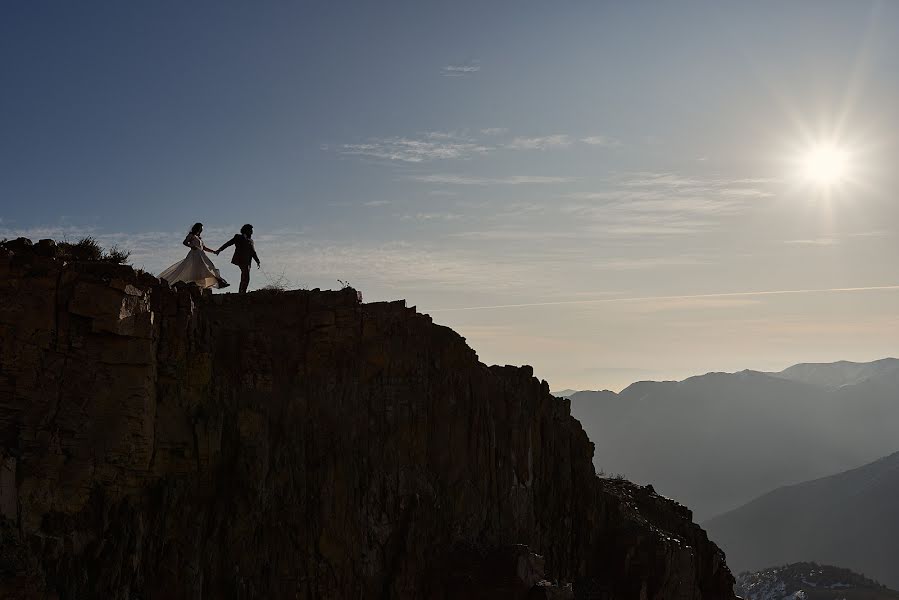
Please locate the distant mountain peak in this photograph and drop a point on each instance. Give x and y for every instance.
(840, 373)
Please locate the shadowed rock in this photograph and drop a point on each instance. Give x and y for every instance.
(161, 443)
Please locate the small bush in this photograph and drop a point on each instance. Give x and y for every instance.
(85, 249)
(117, 255)
(276, 283)
(89, 249)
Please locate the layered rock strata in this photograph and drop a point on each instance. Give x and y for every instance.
(160, 443)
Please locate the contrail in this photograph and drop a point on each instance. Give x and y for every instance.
(682, 297)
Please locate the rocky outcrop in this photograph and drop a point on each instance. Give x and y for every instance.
(161, 443)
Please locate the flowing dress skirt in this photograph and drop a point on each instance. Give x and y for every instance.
(195, 268)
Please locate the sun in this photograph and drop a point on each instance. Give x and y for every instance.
(825, 165)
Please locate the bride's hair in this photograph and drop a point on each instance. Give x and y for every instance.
(196, 228)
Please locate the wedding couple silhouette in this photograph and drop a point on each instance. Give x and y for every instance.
(197, 268)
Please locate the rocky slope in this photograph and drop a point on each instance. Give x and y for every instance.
(160, 443)
(848, 519)
(810, 581)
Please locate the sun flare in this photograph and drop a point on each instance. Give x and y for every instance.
(825, 165)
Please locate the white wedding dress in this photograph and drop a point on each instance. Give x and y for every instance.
(195, 268)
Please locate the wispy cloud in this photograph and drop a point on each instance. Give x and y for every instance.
(824, 241)
(450, 179)
(668, 180)
(463, 70)
(446, 145)
(691, 304)
(652, 227)
(425, 147)
(510, 234)
(431, 216)
(545, 142)
(652, 204)
(601, 140)
(869, 234)
(723, 295)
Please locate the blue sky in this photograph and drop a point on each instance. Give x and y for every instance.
(641, 157)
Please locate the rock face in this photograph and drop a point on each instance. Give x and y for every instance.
(161, 443)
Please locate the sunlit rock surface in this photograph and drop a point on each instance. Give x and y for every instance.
(159, 443)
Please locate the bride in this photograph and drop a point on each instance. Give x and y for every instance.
(196, 267)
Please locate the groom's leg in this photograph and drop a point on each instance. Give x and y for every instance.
(244, 278)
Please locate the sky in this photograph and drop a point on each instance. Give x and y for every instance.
(597, 189)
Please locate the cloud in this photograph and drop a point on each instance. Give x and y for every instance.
(427, 147)
(669, 180)
(558, 140)
(508, 234)
(545, 142)
(396, 269)
(423, 216)
(449, 179)
(447, 145)
(654, 204)
(654, 228)
(632, 208)
(824, 241)
(721, 295)
(462, 70)
(601, 140)
(652, 262)
(688, 304)
(873, 233)
(376, 203)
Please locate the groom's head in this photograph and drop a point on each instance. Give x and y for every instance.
(247, 230)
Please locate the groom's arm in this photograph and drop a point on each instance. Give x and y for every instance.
(225, 245)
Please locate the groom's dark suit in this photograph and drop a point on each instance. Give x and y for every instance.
(244, 250)
(244, 254)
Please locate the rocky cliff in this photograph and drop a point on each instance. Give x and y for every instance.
(161, 443)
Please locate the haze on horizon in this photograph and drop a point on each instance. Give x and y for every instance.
(606, 191)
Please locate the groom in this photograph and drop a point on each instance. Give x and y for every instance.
(244, 254)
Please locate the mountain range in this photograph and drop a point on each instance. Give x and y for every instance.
(849, 519)
(716, 441)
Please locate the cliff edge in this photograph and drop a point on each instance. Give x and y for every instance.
(156, 442)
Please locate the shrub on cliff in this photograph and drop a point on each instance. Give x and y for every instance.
(88, 249)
